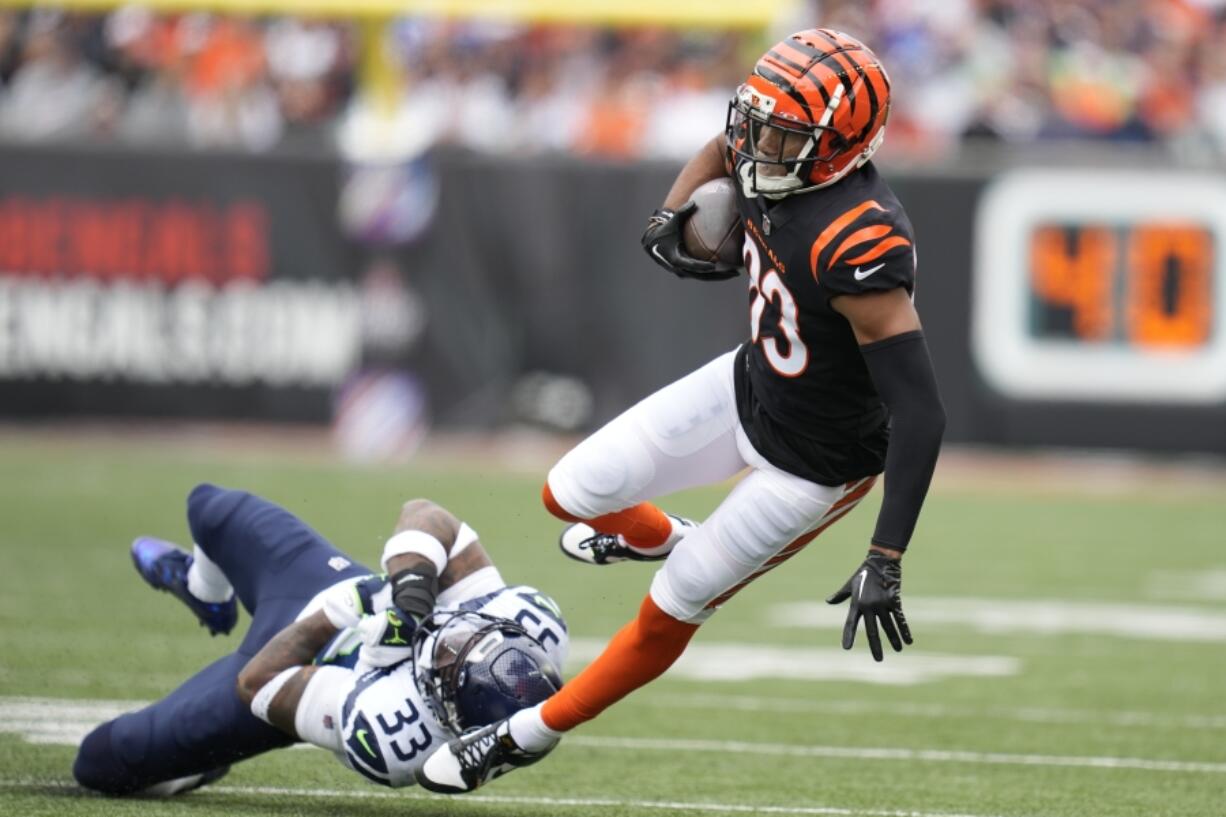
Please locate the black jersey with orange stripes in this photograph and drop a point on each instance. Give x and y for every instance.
(805, 396)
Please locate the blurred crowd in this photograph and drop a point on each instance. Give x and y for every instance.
(1001, 70)
(1025, 70)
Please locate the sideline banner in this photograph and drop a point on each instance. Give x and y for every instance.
(1061, 310)
(172, 284)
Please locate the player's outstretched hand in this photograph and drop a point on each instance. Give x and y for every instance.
(663, 242)
(875, 590)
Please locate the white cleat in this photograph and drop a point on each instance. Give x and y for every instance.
(473, 759)
(584, 543)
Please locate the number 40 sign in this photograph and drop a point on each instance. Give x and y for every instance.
(1102, 286)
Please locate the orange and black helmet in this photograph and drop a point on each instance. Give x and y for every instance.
(813, 110)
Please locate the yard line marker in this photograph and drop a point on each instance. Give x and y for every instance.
(1035, 714)
(714, 662)
(67, 722)
(868, 753)
(584, 802)
(1042, 617)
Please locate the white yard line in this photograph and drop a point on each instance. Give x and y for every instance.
(732, 661)
(1035, 714)
(927, 755)
(582, 802)
(1206, 584)
(1044, 617)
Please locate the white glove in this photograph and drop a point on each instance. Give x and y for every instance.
(387, 638)
(346, 603)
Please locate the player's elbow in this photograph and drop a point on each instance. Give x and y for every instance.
(425, 514)
(250, 681)
(418, 506)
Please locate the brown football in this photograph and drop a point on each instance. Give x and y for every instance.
(713, 232)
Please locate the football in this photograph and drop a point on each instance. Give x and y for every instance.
(713, 232)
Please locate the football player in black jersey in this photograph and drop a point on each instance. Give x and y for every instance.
(833, 388)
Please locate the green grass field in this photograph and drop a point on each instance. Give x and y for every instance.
(1070, 655)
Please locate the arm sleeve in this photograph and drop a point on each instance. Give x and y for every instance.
(318, 718)
(902, 373)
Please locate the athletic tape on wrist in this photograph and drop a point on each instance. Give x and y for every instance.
(419, 542)
(463, 539)
(263, 699)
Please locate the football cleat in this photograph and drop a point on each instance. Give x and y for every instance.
(583, 543)
(164, 567)
(475, 758)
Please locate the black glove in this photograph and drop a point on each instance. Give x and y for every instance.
(663, 242)
(875, 592)
(414, 591)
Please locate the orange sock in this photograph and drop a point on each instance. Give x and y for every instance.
(554, 507)
(642, 525)
(639, 653)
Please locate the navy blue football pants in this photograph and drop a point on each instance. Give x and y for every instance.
(276, 564)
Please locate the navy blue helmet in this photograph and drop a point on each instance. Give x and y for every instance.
(475, 669)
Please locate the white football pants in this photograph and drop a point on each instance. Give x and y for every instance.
(688, 434)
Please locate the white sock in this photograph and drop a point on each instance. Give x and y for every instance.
(205, 580)
(529, 731)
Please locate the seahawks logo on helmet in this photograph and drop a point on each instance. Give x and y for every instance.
(474, 669)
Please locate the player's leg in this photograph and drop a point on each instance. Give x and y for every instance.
(199, 729)
(682, 436)
(190, 577)
(254, 542)
(769, 517)
(263, 551)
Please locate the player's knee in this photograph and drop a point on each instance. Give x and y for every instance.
(99, 767)
(600, 476)
(682, 593)
(554, 507)
(208, 507)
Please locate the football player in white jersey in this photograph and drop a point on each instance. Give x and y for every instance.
(378, 669)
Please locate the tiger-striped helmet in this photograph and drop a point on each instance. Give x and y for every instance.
(813, 110)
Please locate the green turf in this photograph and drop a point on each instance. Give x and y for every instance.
(77, 623)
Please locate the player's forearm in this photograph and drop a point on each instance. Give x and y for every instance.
(455, 555)
(295, 646)
(902, 372)
(707, 164)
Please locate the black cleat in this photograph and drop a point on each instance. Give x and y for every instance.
(583, 543)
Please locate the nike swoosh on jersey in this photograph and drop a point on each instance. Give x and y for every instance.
(361, 736)
(862, 274)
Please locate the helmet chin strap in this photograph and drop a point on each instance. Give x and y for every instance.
(773, 187)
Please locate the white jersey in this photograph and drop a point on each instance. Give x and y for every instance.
(376, 719)
(387, 729)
